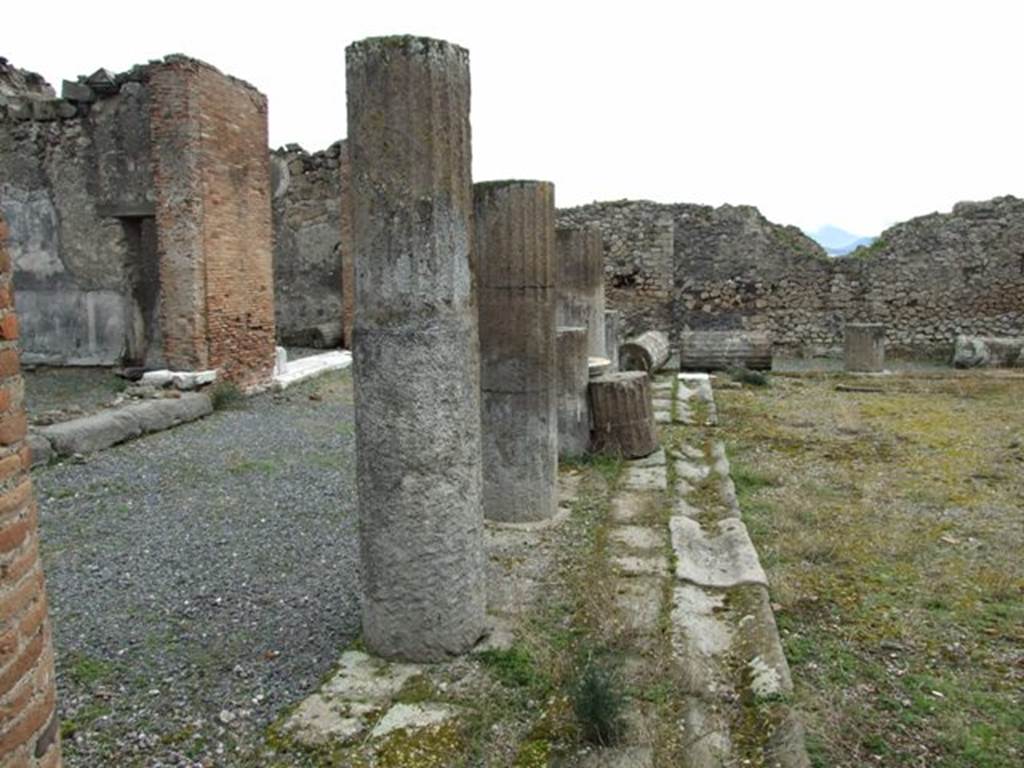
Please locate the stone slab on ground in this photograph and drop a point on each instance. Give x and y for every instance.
(723, 558)
(311, 367)
(636, 537)
(115, 425)
(656, 459)
(620, 757)
(662, 417)
(645, 478)
(412, 717)
(632, 565)
(638, 601)
(628, 506)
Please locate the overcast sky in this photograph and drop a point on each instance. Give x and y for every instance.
(858, 114)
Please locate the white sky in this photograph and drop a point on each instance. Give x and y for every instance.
(858, 114)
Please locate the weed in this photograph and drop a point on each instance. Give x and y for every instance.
(747, 376)
(226, 395)
(598, 703)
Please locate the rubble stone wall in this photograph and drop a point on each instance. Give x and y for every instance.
(76, 190)
(306, 195)
(927, 279)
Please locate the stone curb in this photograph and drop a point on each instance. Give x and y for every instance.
(714, 561)
(116, 425)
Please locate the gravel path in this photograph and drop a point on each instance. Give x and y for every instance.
(203, 579)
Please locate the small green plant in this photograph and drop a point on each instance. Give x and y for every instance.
(225, 395)
(598, 703)
(512, 666)
(747, 376)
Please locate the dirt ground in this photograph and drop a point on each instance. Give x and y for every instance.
(891, 525)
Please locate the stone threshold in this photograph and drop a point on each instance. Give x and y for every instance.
(111, 426)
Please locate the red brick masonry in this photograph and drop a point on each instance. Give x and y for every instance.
(29, 734)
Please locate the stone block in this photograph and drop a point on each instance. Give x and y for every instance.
(864, 347)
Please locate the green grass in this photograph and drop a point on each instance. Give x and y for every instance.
(512, 667)
(889, 525)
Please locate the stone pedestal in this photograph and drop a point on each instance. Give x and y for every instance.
(416, 349)
(514, 255)
(864, 347)
(623, 415)
(573, 375)
(581, 283)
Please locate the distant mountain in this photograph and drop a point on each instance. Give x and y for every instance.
(838, 242)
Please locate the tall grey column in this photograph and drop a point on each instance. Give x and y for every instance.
(573, 377)
(415, 348)
(514, 252)
(581, 283)
(612, 321)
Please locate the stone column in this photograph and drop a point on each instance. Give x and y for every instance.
(573, 377)
(514, 252)
(28, 726)
(612, 334)
(348, 270)
(864, 347)
(581, 283)
(416, 348)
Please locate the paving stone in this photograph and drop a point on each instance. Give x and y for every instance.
(645, 479)
(656, 459)
(662, 417)
(629, 505)
(683, 488)
(691, 472)
(661, 402)
(684, 508)
(319, 720)
(725, 559)
(620, 757)
(412, 717)
(631, 565)
(637, 536)
(698, 625)
(638, 601)
(362, 677)
(691, 453)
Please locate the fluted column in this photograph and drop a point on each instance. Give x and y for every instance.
(580, 256)
(573, 406)
(415, 348)
(514, 254)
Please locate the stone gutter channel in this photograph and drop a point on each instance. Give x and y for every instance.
(689, 595)
(725, 641)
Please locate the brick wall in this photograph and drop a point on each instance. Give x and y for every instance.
(212, 178)
(28, 722)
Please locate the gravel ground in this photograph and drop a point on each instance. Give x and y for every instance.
(202, 580)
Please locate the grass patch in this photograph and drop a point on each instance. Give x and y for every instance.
(888, 524)
(512, 667)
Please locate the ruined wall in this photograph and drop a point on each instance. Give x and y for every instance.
(729, 267)
(29, 732)
(637, 241)
(76, 189)
(306, 195)
(212, 177)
